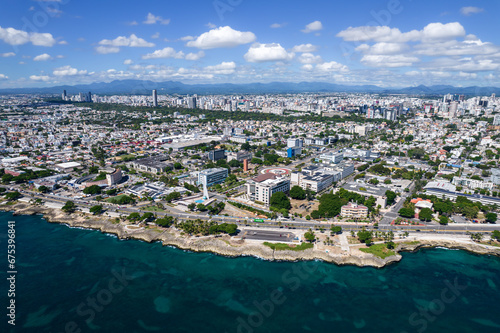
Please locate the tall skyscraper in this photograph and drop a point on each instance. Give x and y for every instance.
(155, 98)
(192, 102)
(64, 95)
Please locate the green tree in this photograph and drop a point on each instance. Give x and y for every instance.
(96, 210)
(166, 222)
(495, 235)
(12, 196)
(425, 214)
(391, 196)
(192, 206)
(94, 189)
(335, 229)
(201, 207)
(443, 220)
(69, 207)
(135, 216)
(491, 217)
(245, 146)
(234, 164)
(297, 192)
(279, 200)
(309, 236)
(365, 236)
(147, 217)
(44, 189)
(93, 169)
(407, 212)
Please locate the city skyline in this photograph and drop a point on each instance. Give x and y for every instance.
(386, 43)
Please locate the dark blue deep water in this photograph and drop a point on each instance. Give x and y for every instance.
(72, 280)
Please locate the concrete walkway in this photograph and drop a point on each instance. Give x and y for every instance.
(344, 244)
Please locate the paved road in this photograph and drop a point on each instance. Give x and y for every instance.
(298, 223)
(267, 235)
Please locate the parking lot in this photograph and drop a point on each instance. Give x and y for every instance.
(267, 235)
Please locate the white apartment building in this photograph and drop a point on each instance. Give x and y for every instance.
(262, 187)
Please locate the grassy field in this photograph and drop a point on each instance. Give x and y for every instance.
(412, 242)
(379, 250)
(283, 246)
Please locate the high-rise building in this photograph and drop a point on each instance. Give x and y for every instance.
(192, 102)
(88, 97)
(64, 95)
(496, 120)
(155, 98)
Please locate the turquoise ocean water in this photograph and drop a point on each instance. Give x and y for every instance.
(72, 280)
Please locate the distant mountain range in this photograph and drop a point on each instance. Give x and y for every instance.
(135, 87)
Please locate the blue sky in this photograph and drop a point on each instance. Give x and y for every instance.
(390, 43)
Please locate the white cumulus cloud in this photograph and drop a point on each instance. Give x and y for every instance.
(39, 77)
(305, 48)
(3, 77)
(113, 45)
(332, 66)
(132, 41)
(107, 49)
(309, 58)
(128, 62)
(167, 52)
(152, 19)
(398, 60)
(18, 37)
(222, 37)
(222, 68)
(195, 56)
(267, 52)
(431, 32)
(313, 26)
(8, 54)
(42, 57)
(68, 71)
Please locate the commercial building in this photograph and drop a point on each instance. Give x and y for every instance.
(114, 178)
(262, 187)
(291, 143)
(317, 182)
(354, 210)
(212, 176)
(366, 190)
(215, 155)
(192, 102)
(495, 176)
(332, 157)
(239, 156)
(292, 152)
(155, 164)
(472, 183)
(155, 98)
(67, 167)
(239, 139)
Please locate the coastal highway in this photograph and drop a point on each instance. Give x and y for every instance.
(285, 224)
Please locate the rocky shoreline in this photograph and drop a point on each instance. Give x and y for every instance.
(231, 247)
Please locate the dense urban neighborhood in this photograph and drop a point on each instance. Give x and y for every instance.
(293, 164)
